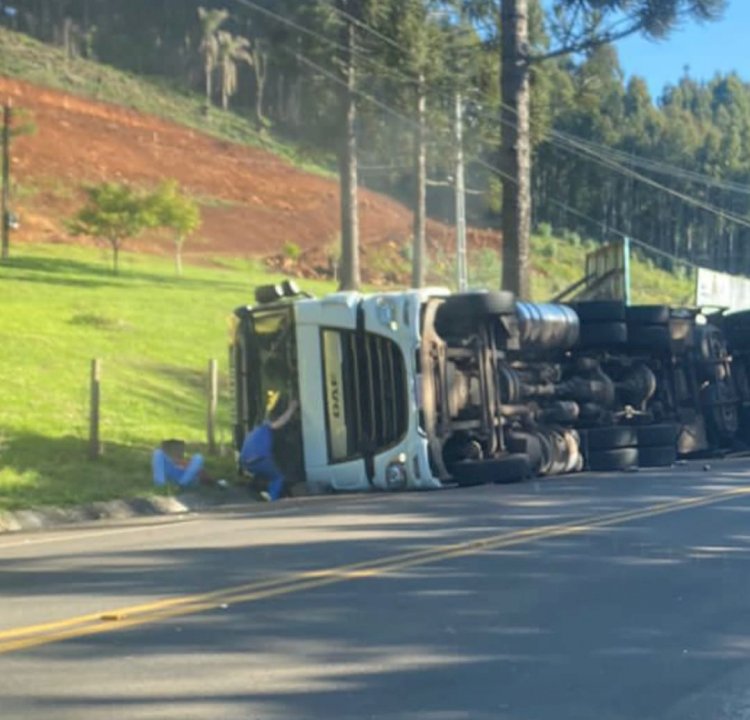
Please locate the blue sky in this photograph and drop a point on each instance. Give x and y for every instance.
(721, 46)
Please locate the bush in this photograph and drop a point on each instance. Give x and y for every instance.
(572, 238)
(545, 230)
(292, 251)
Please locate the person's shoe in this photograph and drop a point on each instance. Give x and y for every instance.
(266, 497)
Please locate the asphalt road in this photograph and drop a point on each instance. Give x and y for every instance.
(604, 597)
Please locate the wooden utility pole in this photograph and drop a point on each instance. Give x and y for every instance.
(213, 401)
(460, 188)
(515, 157)
(95, 445)
(419, 253)
(350, 271)
(5, 209)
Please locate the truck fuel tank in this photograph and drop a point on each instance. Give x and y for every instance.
(546, 326)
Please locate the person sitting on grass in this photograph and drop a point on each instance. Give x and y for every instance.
(256, 455)
(169, 465)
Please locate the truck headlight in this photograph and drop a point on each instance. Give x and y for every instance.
(395, 474)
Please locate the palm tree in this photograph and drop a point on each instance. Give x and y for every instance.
(211, 21)
(232, 49)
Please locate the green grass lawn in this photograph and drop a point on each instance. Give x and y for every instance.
(154, 333)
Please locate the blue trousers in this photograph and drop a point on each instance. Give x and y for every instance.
(266, 468)
(165, 469)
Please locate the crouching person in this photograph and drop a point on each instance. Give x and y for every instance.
(256, 455)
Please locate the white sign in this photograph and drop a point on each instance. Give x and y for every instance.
(715, 289)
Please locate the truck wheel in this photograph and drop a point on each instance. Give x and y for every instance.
(612, 460)
(600, 311)
(656, 456)
(603, 334)
(658, 435)
(508, 469)
(609, 438)
(460, 314)
(648, 315)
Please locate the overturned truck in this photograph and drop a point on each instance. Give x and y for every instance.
(424, 388)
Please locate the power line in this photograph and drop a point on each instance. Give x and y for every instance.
(561, 139)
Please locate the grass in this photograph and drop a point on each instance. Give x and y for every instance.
(154, 334)
(27, 59)
(559, 262)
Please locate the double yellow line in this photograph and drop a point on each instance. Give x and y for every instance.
(136, 615)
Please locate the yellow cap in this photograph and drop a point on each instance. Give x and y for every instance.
(272, 398)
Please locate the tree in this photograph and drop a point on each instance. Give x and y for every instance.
(114, 213)
(170, 208)
(211, 21)
(348, 173)
(232, 49)
(579, 26)
(260, 52)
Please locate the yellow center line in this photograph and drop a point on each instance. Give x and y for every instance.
(152, 612)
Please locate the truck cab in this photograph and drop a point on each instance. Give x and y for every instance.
(351, 361)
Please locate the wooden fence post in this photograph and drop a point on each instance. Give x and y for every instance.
(213, 397)
(95, 446)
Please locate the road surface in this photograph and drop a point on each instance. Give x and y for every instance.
(620, 597)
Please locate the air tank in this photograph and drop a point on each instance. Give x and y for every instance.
(547, 326)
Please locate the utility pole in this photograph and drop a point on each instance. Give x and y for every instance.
(515, 155)
(348, 176)
(460, 187)
(7, 119)
(419, 253)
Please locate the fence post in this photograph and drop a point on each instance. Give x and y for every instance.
(95, 446)
(213, 396)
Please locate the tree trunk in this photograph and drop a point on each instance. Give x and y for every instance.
(515, 161)
(209, 87)
(260, 66)
(178, 256)
(115, 242)
(419, 254)
(350, 274)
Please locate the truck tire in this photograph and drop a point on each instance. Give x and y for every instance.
(658, 435)
(655, 338)
(648, 315)
(603, 334)
(502, 470)
(612, 460)
(461, 314)
(600, 311)
(657, 456)
(608, 438)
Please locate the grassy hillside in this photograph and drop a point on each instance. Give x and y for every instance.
(27, 59)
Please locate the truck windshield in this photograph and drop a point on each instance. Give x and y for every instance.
(366, 401)
(265, 362)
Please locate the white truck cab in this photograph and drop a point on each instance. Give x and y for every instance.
(351, 361)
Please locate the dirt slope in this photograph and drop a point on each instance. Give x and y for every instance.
(253, 202)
